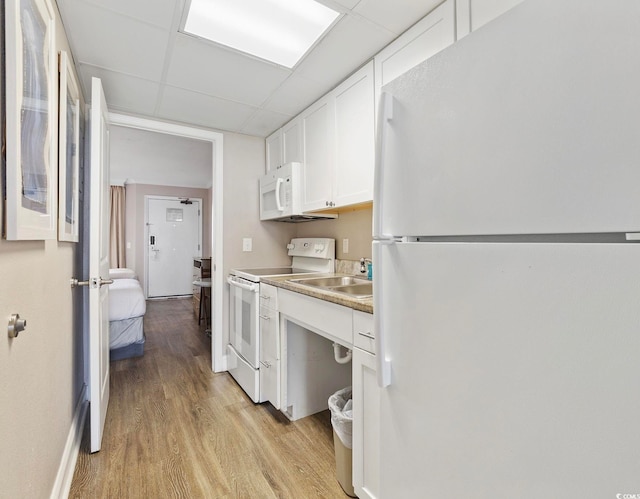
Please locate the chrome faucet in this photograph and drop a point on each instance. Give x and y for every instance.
(363, 264)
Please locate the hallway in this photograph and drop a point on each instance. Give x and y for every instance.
(176, 429)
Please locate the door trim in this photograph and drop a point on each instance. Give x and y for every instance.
(218, 359)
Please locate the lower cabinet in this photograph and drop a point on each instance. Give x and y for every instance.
(366, 425)
(269, 357)
(269, 346)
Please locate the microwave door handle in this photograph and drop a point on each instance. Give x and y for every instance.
(279, 206)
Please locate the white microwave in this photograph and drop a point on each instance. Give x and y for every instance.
(281, 196)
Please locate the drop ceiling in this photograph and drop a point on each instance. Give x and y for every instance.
(150, 69)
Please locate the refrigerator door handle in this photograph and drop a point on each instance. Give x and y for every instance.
(383, 364)
(384, 116)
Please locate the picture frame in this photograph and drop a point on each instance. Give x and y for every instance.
(31, 120)
(69, 111)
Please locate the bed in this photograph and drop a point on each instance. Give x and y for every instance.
(122, 273)
(127, 307)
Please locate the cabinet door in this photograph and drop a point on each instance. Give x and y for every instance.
(292, 142)
(269, 357)
(274, 150)
(433, 33)
(354, 139)
(471, 14)
(366, 425)
(318, 154)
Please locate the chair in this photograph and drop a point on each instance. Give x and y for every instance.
(203, 284)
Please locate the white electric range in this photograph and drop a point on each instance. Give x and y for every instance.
(310, 255)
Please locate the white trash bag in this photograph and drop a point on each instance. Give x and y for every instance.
(341, 407)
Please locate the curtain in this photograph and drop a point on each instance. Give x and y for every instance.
(116, 228)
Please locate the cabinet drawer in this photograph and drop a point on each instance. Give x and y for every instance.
(363, 334)
(268, 296)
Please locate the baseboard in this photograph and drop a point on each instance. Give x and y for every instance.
(67, 467)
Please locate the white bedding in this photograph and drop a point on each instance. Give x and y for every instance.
(126, 332)
(122, 274)
(126, 300)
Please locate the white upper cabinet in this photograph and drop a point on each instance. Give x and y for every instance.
(273, 151)
(435, 32)
(471, 14)
(354, 139)
(338, 145)
(292, 141)
(317, 144)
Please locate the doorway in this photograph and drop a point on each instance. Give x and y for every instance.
(218, 358)
(173, 239)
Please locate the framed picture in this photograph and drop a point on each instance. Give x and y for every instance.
(31, 116)
(69, 113)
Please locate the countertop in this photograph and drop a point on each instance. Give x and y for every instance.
(284, 282)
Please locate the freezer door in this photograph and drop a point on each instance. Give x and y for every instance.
(511, 132)
(514, 370)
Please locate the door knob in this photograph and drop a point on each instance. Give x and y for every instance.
(75, 283)
(94, 282)
(16, 325)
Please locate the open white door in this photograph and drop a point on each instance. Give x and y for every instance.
(98, 264)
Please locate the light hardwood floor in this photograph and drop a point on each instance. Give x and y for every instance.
(176, 429)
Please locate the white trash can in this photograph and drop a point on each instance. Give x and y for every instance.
(340, 405)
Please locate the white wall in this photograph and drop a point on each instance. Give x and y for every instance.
(41, 371)
(154, 158)
(244, 162)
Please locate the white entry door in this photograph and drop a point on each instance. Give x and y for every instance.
(98, 264)
(173, 240)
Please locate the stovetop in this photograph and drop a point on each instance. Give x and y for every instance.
(309, 255)
(255, 274)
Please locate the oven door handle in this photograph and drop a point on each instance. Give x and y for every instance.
(249, 287)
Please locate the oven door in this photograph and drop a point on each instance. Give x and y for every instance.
(243, 318)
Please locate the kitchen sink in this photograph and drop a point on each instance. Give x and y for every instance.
(351, 286)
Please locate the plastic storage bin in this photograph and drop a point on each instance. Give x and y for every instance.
(340, 405)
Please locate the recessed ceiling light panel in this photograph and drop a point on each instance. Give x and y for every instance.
(281, 31)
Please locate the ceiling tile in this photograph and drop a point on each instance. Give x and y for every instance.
(396, 16)
(113, 41)
(349, 4)
(185, 106)
(232, 76)
(156, 12)
(122, 92)
(350, 44)
(295, 95)
(263, 122)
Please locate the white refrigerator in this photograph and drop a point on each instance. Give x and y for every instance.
(507, 279)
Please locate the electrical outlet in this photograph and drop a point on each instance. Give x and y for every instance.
(247, 244)
(345, 246)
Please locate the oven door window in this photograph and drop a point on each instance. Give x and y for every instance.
(244, 323)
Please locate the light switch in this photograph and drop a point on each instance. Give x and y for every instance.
(345, 246)
(247, 244)
(128, 244)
